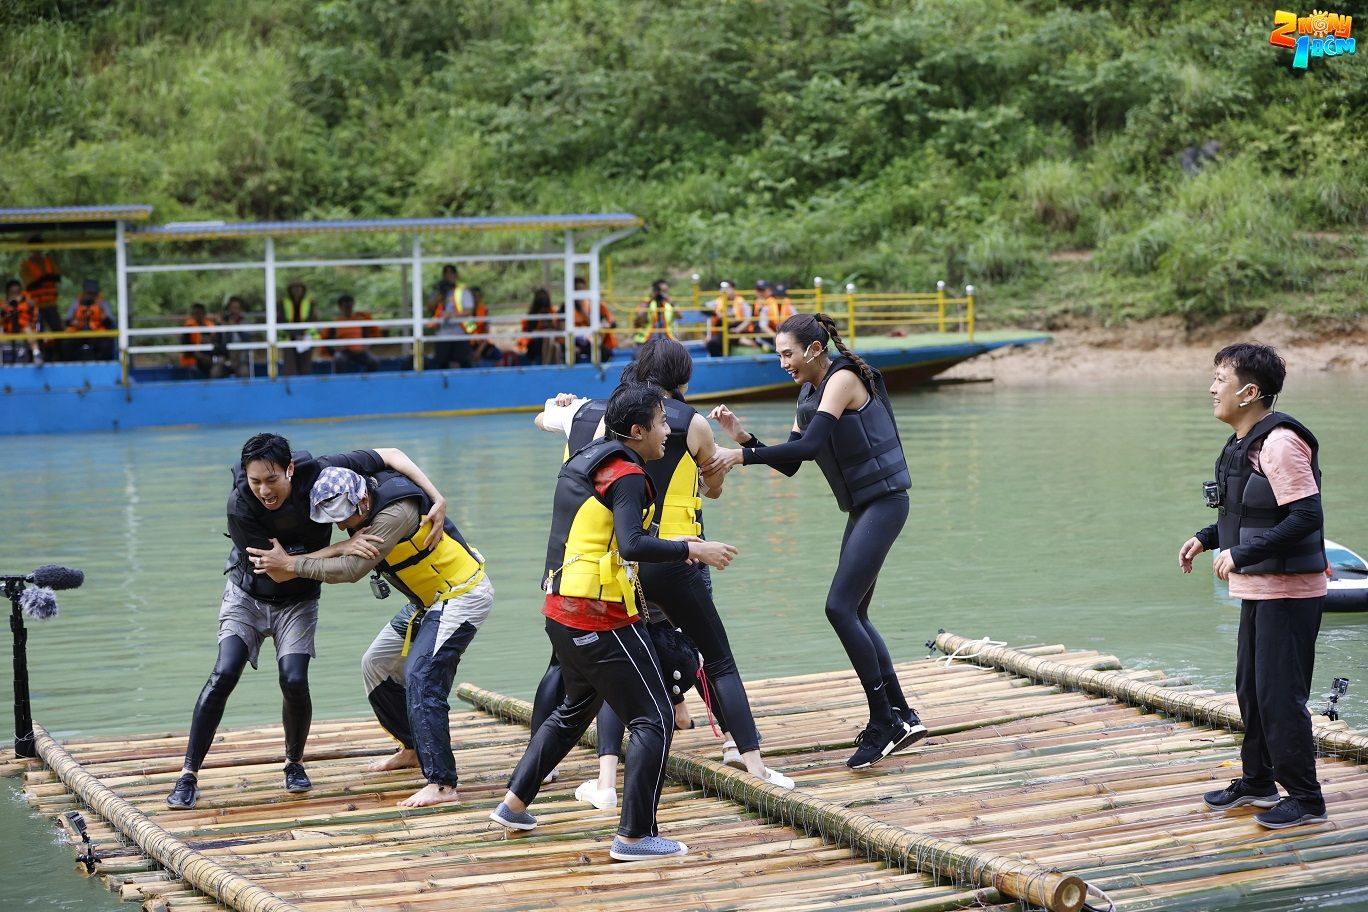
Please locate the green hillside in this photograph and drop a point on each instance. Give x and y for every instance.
(890, 144)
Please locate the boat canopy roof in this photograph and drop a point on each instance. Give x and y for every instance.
(37, 219)
(214, 230)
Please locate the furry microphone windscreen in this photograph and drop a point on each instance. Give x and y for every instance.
(38, 603)
(56, 577)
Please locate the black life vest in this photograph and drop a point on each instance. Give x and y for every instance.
(863, 459)
(581, 554)
(584, 426)
(425, 575)
(1248, 507)
(289, 524)
(674, 476)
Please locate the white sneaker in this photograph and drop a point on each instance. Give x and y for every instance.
(589, 792)
(774, 777)
(731, 756)
(551, 776)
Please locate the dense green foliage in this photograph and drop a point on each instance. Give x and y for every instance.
(887, 143)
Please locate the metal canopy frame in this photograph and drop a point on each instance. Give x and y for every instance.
(622, 225)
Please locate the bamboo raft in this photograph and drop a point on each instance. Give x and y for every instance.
(1050, 778)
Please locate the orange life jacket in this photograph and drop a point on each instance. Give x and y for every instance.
(740, 315)
(352, 332)
(89, 316)
(40, 277)
(776, 311)
(190, 359)
(18, 316)
(606, 321)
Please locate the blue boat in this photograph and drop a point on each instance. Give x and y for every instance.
(128, 393)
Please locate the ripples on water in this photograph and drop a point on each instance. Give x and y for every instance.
(1039, 514)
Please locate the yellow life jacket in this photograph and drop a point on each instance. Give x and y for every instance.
(675, 477)
(582, 558)
(426, 575)
(657, 318)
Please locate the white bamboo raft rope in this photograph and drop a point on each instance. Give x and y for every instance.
(1023, 774)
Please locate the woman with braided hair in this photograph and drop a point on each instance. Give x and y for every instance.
(845, 423)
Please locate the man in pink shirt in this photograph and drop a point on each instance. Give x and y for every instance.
(1269, 530)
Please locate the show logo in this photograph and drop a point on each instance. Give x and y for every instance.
(1320, 34)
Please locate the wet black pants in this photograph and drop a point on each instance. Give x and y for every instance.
(619, 667)
(296, 711)
(1274, 657)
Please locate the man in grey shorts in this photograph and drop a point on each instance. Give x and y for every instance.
(411, 665)
(269, 504)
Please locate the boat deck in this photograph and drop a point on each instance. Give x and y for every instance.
(1043, 766)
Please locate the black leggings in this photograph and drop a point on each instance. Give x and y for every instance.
(869, 534)
(296, 711)
(684, 593)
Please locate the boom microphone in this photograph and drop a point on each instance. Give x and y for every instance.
(52, 576)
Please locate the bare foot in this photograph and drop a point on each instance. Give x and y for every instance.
(430, 794)
(402, 759)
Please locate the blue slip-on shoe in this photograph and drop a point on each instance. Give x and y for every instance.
(1291, 812)
(511, 820)
(648, 848)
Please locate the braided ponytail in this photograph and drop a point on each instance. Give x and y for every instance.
(865, 370)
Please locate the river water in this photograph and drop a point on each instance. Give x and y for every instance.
(1039, 514)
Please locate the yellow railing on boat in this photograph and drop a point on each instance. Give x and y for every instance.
(857, 313)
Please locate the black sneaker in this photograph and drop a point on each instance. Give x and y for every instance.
(876, 742)
(296, 780)
(1237, 794)
(1292, 812)
(915, 730)
(185, 793)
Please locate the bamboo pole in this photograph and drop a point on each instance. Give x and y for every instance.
(897, 845)
(188, 864)
(1210, 710)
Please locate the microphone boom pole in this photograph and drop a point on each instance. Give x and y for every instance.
(39, 603)
(23, 710)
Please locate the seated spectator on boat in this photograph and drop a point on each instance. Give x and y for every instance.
(89, 312)
(541, 318)
(483, 350)
(656, 314)
(41, 282)
(19, 316)
(201, 362)
(731, 308)
(784, 303)
(452, 306)
(771, 309)
(352, 358)
(229, 362)
(583, 317)
(296, 350)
